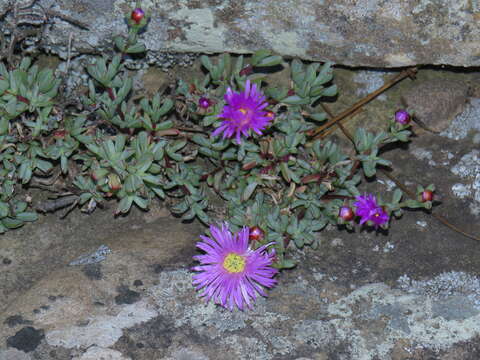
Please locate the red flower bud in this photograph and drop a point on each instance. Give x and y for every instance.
(256, 234)
(291, 92)
(137, 15)
(427, 195)
(346, 213)
(114, 182)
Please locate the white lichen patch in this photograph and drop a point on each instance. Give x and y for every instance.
(465, 122)
(422, 223)
(371, 81)
(96, 353)
(468, 168)
(388, 247)
(395, 60)
(446, 284)
(14, 354)
(389, 184)
(186, 354)
(423, 154)
(476, 138)
(469, 165)
(318, 276)
(368, 322)
(241, 345)
(336, 242)
(202, 33)
(286, 40)
(316, 333)
(433, 322)
(103, 331)
(435, 315)
(461, 190)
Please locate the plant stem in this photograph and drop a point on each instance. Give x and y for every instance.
(335, 119)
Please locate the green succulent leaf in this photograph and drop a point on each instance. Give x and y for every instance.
(259, 55)
(136, 48)
(296, 100)
(11, 223)
(27, 216)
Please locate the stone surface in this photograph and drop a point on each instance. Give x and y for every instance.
(26, 339)
(437, 102)
(374, 33)
(96, 353)
(13, 354)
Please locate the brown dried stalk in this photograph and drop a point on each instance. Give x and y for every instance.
(411, 72)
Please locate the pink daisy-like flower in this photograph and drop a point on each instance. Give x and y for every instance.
(230, 272)
(243, 111)
(369, 210)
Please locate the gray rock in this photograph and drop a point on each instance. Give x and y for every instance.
(380, 33)
(437, 102)
(13, 354)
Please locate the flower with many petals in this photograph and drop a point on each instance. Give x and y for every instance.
(369, 210)
(244, 111)
(230, 272)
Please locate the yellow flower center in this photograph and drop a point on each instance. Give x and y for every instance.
(234, 263)
(246, 116)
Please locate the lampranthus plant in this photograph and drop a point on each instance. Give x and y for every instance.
(243, 113)
(280, 185)
(231, 273)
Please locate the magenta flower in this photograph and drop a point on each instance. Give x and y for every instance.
(369, 210)
(243, 112)
(231, 273)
